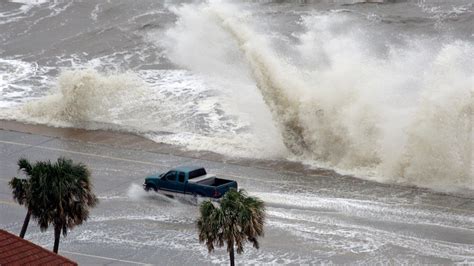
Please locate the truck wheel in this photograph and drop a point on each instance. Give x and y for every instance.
(150, 187)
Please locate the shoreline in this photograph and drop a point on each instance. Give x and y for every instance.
(135, 142)
(132, 141)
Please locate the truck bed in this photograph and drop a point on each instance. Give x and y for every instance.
(214, 181)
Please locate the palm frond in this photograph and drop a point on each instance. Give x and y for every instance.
(25, 166)
(238, 219)
(20, 190)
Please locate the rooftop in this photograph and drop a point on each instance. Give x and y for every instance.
(17, 251)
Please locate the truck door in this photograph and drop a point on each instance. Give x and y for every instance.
(169, 181)
(181, 184)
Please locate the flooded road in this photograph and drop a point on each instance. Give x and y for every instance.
(311, 218)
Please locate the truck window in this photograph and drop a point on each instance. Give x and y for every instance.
(197, 172)
(171, 176)
(181, 177)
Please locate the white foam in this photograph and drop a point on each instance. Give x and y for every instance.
(82, 97)
(30, 2)
(22, 12)
(16, 80)
(376, 211)
(13, 71)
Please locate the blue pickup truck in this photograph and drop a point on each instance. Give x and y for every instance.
(189, 180)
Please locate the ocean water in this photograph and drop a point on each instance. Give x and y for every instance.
(382, 91)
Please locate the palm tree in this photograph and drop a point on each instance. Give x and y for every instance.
(63, 196)
(21, 191)
(238, 219)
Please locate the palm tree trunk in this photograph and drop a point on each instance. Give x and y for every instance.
(57, 235)
(25, 224)
(231, 254)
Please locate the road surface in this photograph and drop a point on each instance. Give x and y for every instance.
(313, 217)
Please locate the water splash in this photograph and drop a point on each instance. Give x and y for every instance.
(346, 105)
(82, 96)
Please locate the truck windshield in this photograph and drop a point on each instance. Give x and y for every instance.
(197, 172)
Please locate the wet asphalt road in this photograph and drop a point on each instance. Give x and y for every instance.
(311, 219)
